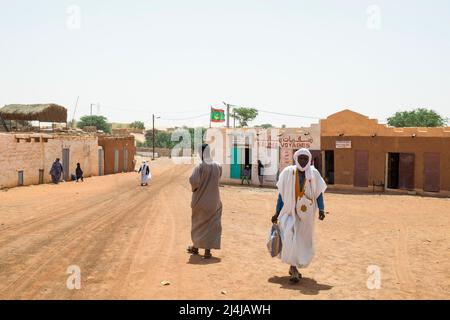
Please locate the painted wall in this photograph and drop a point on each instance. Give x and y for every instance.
(344, 159)
(33, 152)
(112, 143)
(274, 147)
(358, 132)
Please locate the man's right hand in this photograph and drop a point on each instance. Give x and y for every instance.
(275, 218)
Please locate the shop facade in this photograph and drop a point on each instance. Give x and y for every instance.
(363, 154)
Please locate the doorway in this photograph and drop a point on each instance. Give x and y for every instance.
(66, 163)
(393, 171)
(116, 161)
(329, 166)
(316, 160)
(101, 162)
(41, 176)
(235, 167)
(125, 160)
(247, 161)
(401, 171)
(20, 178)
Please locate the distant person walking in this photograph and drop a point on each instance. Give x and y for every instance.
(260, 173)
(144, 170)
(79, 173)
(206, 205)
(56, 171)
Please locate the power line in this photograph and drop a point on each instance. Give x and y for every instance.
(123, 109)
(187, 118)
(203, 114)
(288, 115)
(282, 114)
(147, 111)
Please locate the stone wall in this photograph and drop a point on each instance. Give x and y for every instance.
(32, 152)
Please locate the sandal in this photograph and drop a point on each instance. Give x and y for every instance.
(192, 250)
(295, 275)
(207, 255)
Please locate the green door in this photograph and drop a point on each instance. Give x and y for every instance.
(235, 172)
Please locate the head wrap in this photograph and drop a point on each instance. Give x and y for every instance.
(205, 153)
(307, 168)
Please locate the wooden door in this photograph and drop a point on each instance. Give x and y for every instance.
(431, 172)
(361, 175)
(406, 171)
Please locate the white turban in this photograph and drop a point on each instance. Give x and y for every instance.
(307, 168)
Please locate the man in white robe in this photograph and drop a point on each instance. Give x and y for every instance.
(301, 189)
(144, 170)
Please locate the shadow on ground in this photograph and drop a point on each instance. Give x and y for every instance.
(198, 259)
(306, 286)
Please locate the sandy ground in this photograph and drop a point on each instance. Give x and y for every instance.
(126, 239)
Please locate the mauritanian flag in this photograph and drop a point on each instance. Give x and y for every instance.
(217, 115)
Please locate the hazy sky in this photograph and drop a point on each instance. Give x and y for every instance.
(178, 58)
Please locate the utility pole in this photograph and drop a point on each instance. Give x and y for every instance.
(153, 153)
(153, 120)
(74, 110)
(228, 113)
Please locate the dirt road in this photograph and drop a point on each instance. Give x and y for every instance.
(126, 239)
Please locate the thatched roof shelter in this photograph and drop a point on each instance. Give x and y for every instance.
(34, 112)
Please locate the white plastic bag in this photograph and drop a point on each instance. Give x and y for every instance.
(274, 244)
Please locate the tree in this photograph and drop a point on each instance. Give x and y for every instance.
(265, 126)
(420, 117)
(244, 115)
(100, 122)
(162, 139)
(137, 125)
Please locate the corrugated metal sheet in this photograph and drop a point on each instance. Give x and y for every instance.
(431, 171)
(406, 171)
(361, 177)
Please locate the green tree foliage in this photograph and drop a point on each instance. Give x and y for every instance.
(163, 138)
(265, 126)
(137, 125)
(244, 115)
(100, 122)
(420, 117)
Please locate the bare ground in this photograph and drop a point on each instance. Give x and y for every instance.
(126, 239)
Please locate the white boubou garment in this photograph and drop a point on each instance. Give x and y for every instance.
(144, 176)
(297, 218)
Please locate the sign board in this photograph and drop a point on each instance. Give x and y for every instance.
(295, 142)
(343, 144)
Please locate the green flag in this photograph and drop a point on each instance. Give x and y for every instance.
(217, 115)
